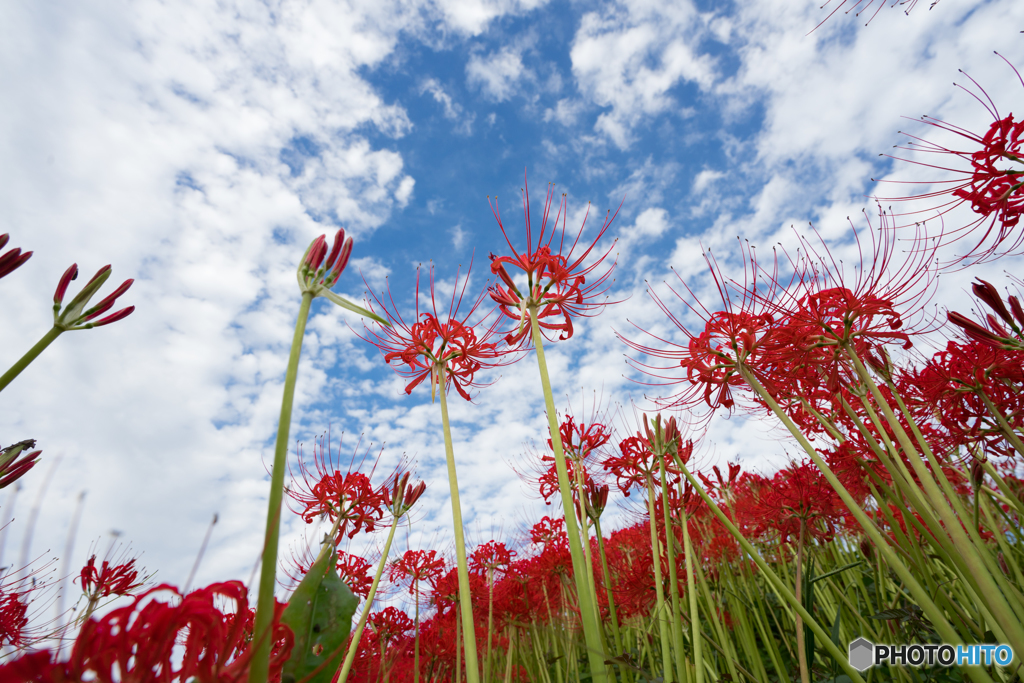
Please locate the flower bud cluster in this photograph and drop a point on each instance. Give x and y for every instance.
(75, 316)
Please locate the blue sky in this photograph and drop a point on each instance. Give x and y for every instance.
(199, 148)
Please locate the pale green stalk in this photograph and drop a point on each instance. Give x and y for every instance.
(259, 666)
(591, 626)
(465, 599)
(780, 587)
(616, 635)
(353, 646)
(29, 356)
(670, 556)
(922, 597)
(663, 624)
(698, 659)
(977, 563)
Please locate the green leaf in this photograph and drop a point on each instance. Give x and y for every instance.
(348, 305)
(835, 626)
(837, 571)
(319, 614)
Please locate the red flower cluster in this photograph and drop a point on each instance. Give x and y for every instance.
(325, 491)
(188, 638)
(438, 345)
(556, 280)
(109, 580)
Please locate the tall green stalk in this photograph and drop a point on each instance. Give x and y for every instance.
(353, 645)
(30, 356)
(465, 599)
(587, 601)
(259, 666)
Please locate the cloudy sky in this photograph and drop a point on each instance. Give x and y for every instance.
(199, 147)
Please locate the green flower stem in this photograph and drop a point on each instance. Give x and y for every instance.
(465, 599)
(692, 593)
(922, 597)
(259, 669)
(978, 564)
(659, 591)
(673, 579)
(780, 587)
(591, 627)
(616, 635)
(353, 645)
(32, 354)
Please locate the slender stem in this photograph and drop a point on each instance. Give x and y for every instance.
(353, 644)
(259, 669)
(801, 646)
(691, 591)
(591, 627)
(673, 579)
(659, 591)
(924, 600)
(23, 362)
(465, 599)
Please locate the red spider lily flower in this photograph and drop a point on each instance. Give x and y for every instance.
(190, 638)
(354, 571)
(490, 557)
(549, 531)
(797, 499)
(741, 334)
(992, 183)
(438, 344)
(637, 465)
(13, 259)
(16, 460)
(955, 382)
(580, 440)
(390, 623)
(417, 566)
(75, 316)
(547, 483)
(109, 580)
(556, 280)
(13, 617)
(324, 491)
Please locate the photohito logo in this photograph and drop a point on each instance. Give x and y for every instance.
(864, 654)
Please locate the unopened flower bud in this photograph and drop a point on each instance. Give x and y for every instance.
(977, 474)
(867, 549)
(987, 292)
(62, 286)
(1002, 563)
(13, 259)
(15, 461)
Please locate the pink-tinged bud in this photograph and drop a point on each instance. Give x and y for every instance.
(987, 292)
(107, 303)
(1018, 312)
(65, 280)
(13, 260)
(339, 238)
(316, 253)
(114, 317)
(343, 257)
(973, 329)
(15, 462)
(977, 474)
(867, 548)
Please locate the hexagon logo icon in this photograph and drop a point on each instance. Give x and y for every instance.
(862, 654)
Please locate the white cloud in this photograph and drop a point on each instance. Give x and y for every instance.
(627, 58)
(497, 74)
